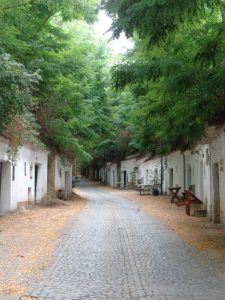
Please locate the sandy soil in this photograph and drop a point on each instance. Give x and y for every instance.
(26, 242)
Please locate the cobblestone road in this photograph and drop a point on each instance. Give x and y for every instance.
(114, 250)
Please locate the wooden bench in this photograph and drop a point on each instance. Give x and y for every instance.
(147, 190)
(190, 199)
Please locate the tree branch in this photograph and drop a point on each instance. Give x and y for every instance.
(45, 21)
(18, 5)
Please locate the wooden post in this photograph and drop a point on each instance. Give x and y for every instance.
(188, 202)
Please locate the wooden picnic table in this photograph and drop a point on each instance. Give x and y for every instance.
(174, 190)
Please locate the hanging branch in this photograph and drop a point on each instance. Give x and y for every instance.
(51, 14)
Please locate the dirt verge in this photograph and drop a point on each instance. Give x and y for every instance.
(26, 242)
(198, 232)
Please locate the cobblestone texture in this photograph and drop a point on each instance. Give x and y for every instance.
(114, 250)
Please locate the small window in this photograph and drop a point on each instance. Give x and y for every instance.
(60, 172)
(13, 173)
(31, 171)
(25, 169)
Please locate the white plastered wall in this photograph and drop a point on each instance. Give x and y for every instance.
(17, 180)
(112, 180)
(63, 175)
(217, 156)
(150, 171)
(107, 172)
(5, 184)
(174, 163)
(5, 193)
(140, 165)
(128, 166)
(102, 174)
(197, 165)
(190, 168)
(23, 186)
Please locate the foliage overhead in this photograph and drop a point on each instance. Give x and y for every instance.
(17, 87)
(175, 72)
(156, 19)
(55, 79)
(53, 67)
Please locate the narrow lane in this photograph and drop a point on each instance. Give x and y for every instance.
(114, 250)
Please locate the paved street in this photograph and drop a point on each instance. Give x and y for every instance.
(114, 250)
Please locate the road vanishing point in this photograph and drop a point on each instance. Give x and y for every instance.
(115, 250)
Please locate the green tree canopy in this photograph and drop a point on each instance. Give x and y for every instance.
(175, 72)
(45, 38)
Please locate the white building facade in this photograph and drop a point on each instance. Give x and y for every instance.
(59, 175)
(149, 171)
(112, 174)
(190, 170)
(128, 172)
(217, 178)
(200, 170)
(25, 180)
(102, 174)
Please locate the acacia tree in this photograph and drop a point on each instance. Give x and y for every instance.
(75, 117)
(176, 71)
(157, 20)
(71, 102)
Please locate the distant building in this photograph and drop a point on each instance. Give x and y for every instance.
(59, 175)
(129, 171)
(200, 170)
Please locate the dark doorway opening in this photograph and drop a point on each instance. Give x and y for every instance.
(35, 182)
(125, 178)
(171, 177)
(216, 194)
(188, 176)
(66, 184)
